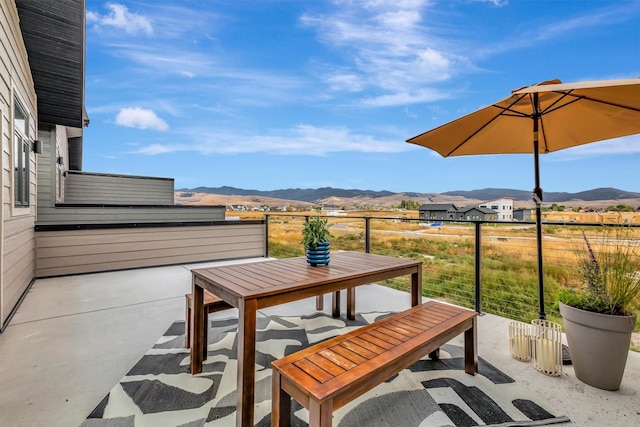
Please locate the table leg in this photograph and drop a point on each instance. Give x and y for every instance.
(335, 305)
(351, 303)
(471, 348)
(246, 362)
(197, 328)
(416, 287)
(320, 302)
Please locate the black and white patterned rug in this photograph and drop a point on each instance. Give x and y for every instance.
(160, 391)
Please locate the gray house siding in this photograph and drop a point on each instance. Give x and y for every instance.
(65, 214)
(17, 237)
(63, 252)
(98, 188)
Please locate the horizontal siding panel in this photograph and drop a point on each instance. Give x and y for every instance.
(85, 251)
(50, 239)
(91, 188)
(131, 264)
(120, 215)
(19, 269)
(144, 253)
(175, 242)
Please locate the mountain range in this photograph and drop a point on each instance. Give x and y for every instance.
(337, 197)
(319, 194)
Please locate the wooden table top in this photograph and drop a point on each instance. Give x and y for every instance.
(263, 279)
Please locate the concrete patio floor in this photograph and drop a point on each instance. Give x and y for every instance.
(73, 338)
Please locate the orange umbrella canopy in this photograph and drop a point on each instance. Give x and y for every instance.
(568, 114)
(539, 119)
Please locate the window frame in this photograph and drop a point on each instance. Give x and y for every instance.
(21, 160)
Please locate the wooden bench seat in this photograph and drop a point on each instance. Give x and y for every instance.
(212, 303)
(330, 374)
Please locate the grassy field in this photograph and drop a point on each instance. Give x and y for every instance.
(508, 260)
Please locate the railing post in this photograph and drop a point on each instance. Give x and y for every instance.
(266, 235)
(367, 234)
(478, 267)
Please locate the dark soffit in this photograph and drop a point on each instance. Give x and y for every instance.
(54, 36)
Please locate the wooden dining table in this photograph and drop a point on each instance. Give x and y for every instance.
(257, 285)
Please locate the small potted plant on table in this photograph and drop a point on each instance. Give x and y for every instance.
(315, 238)
(598, 319)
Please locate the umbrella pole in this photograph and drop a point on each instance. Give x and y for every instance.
(537, 197)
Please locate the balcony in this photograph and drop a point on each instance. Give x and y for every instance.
(73, 338)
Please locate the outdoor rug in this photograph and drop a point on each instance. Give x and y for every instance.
(160, 391)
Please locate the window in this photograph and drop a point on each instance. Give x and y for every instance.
(21, 150)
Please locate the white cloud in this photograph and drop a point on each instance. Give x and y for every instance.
(140, 118)
(388, 48)
(617, 146)
(346, 81)
(405, 98)
(299, 140)
(497, 3)
(120, 18)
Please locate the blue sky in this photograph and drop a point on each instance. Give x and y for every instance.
(272, 94)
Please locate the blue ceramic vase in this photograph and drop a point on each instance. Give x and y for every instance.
(319, 255)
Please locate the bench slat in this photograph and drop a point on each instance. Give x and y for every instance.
(337, 359)
(327, 364)
(319, 374)
(358, 349)
(349, 354)
(386, 335)
(380, 342)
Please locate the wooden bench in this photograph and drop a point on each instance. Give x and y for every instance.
(212, 303)
(330, 374)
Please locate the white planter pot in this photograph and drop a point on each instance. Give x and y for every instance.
(599, 345)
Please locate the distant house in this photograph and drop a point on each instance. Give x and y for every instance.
(436, 212)
(474, 213)
(503, 207)
(522, 214)
(238, 208)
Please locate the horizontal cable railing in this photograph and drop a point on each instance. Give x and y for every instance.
(489, 266)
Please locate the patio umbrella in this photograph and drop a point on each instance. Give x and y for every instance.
(542, 118)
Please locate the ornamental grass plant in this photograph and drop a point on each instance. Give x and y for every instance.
(610, 265)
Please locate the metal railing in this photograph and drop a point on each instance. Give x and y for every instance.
(490, 266)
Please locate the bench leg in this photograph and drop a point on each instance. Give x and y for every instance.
(335, 312)
(435, 354)
(205, 336)
(280, 402)
(320, 415)
(187, 325)
(471, 348)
